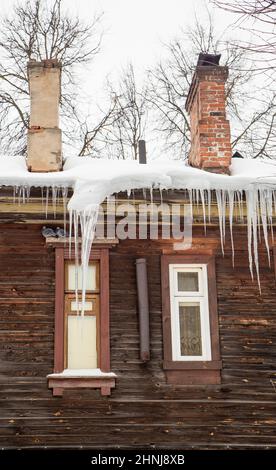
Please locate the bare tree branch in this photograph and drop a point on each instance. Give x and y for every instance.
(249, 106)
(130, 116)
(40, 29)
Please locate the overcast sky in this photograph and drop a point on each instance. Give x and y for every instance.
(136, 29)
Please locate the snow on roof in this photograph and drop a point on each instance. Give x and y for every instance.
(95, 179)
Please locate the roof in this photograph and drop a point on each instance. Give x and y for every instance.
(95, 179)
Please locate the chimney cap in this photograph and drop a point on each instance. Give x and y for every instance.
(45, 63)
(205, 59)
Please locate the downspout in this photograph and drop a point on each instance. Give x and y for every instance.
(143, 306)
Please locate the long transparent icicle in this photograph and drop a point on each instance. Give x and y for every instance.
(252, 204)
(264, 214)
(221, 214)
(87, 221)
(231, 199)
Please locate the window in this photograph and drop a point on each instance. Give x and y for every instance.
(190, 321)
(189, 313)
(82, 349)
(82, 333)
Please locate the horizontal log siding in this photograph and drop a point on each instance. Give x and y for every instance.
(142, 411)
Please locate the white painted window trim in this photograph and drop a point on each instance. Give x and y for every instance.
(190, 297)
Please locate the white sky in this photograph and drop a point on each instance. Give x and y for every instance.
(136, 29)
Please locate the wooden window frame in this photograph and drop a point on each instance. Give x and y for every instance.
(57, 381)
(187, 372)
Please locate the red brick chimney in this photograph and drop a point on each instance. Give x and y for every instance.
(210, 130)
(44, 135)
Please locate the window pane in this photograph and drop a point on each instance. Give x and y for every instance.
(187, 281)
(88, 306)
(190, 329)
(82, 342)
(73, 276)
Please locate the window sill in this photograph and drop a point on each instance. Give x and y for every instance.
(81, 378)
(193, 372)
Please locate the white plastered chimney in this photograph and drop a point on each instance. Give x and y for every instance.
(44, 135)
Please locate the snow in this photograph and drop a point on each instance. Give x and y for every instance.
(75, 373)
(92, 180)
(95, 179)
(253, 168)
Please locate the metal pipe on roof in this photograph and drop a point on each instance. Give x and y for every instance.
(142, 151)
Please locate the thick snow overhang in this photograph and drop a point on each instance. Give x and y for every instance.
(93, 180)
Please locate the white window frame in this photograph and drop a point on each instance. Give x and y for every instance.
(200, 297)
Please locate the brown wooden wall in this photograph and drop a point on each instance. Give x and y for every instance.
(142, 411)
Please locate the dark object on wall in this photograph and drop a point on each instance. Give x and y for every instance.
(142, 151)
(143, 304)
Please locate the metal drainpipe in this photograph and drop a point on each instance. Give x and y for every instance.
(143, 305)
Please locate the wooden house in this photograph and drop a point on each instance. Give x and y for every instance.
(175, 348)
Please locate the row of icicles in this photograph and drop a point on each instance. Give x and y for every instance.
(260, 209)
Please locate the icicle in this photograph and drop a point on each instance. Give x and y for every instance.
(19, 196)
(190, 192)
(274, 201)
(255, 238)
(240, 205)
(54, 200)
(46, 202)
(264, 212)
(231, 197)
(224, 203)
(252, 231)
(270, 205)
(151, 202)
(76, 240)
(42, 196)
(209, 195)
(161, 195)
(144, 193)
(70, 231)
(151, 195)
(258, 217)
(249, 232)
(88, 221)
(197, 197)
(221, 214)
(202, 196)
(28, 193)
(272, 212)
(64, 203)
